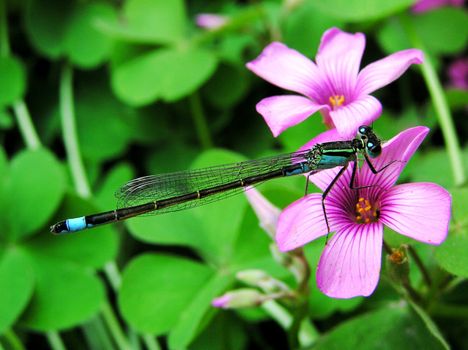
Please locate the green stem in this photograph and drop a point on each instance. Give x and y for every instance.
(199, 119)
(97, 335)
(26, 126)
(440, 105)
(307, 334)
(70, 137)
(23, 119)
(55, 341)
(114, 327)
(14, 343)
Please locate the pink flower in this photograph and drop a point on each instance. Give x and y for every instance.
(333, 85)
(458, 73)
(210, 21)
(426, 5)
(350, 263)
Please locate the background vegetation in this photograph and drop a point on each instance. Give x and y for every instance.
(95, 93)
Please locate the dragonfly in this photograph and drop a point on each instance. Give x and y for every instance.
(163, 193)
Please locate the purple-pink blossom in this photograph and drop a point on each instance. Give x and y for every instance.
(351, 260)
(332, 85)
(210, 20)
(458, 73)
(426, 5)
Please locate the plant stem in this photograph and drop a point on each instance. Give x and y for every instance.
(12, 339)
(114, 327)
(199, 120)
(70, 137)
(26, 126)
(440, 105)
(55, 341)
(23, 119)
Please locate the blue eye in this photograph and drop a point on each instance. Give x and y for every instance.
(370, 145)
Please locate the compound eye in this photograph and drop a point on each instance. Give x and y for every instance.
(373, 150)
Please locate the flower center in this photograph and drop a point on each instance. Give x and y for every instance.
(366, 212)
(336, 101)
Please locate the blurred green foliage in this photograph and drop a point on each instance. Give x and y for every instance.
(151, 92)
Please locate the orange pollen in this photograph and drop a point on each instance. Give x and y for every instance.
(365, 212)
(397, 257)
(336, 101)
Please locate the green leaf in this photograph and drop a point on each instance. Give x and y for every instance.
(451, 255)
(443, 30)
(156, 21)
(358, 11)
(430, 325)
(83, 24)
(304, 27)
(6, 119)
(90, 248)
(394, 327)
(12, 81)
(116, 178)
(16, 286)
(227, 86)
(191, 318)
(95, 107)
(65, 295)
(224, 329)
(59, 29)
(45, 25)
(157, 289)
(456, 98)
(429, 167)
(167, 74)
(34, 187)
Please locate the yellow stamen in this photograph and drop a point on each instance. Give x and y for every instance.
(336, 101)
(366, 212)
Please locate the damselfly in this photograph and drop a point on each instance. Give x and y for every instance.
(157, 194)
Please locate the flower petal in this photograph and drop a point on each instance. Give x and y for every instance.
(301, 222)
(339, 56)
(266, 212)
(288, 69)
(282, 112)
(350, 264)
(350, 117)
(326, 136)
(210, 20)
(398, 150)
(417, 210)
(384, 71)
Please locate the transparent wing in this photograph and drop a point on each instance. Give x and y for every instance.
(158, 187)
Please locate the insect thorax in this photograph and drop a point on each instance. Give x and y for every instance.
(314, 156)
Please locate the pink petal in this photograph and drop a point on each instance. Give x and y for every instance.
(400, 149)
(282, 112)
(301, 222)
(266, 212)
(350, 264)
(326, 136)
(339, 56)
(386, 70)
(210, 20)
(350, 117)
(288, 69)
(417, 210)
